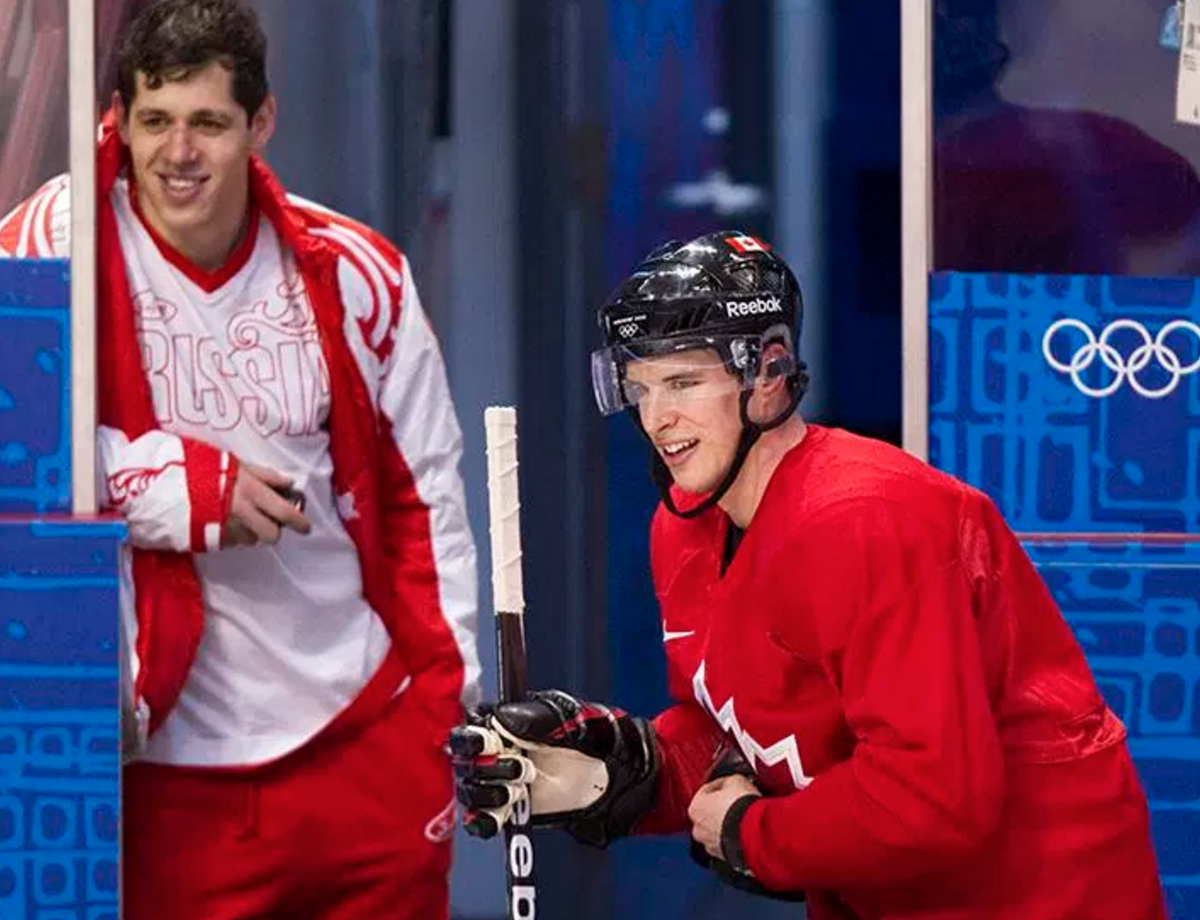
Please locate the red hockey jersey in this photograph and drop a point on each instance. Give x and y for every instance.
(925, 726)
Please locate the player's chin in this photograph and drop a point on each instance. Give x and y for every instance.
(694, 482)
(188, 218)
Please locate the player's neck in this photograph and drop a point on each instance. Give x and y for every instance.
(209, 246)
(741, 501)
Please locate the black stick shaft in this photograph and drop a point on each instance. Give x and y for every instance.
(518, 845)
(510, 648)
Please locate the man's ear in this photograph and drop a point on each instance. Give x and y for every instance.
(122, 116)
(262, 125)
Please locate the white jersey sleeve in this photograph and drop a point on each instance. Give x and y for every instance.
(173, 492)
(40, 226)
(414, 399)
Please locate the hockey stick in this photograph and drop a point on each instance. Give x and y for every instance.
(508, 601)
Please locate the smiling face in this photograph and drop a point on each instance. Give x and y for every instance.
(689, 405)
(190, 144)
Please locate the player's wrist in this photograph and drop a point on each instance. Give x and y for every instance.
(733, 867)
(731, 833)
(209, 491)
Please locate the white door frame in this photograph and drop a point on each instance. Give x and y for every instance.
(81, 89)
(916, 224)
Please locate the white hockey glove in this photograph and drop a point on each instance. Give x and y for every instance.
(586, 767)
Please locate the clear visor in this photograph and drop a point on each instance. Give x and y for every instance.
(666, 373)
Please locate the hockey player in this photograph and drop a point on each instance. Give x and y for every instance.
(298, 665)
(924, 736)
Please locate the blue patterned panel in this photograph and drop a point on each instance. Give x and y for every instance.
(1074, 401)
(1135, 609)
(35, 384)
(59, 733)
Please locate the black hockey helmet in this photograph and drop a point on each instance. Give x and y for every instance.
(724, 291)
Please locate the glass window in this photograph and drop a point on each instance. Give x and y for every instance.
(1055, 145)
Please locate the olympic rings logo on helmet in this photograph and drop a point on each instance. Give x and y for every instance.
(1123, 367)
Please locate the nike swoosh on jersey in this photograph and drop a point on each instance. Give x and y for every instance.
(668, 635)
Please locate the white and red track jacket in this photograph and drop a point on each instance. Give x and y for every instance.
(393, 441)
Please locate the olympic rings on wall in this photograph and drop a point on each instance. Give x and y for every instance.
(1124, 368)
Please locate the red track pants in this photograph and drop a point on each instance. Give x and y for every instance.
(349, 828)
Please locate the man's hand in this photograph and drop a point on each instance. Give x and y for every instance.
(258, 513)
(711, 804)
(716, 814)
(586, 767)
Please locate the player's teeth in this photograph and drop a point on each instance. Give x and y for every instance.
(674, 449)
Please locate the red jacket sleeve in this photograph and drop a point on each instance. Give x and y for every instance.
(926, 780)
(687, 740)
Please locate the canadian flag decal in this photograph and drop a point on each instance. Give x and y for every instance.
(745, 243)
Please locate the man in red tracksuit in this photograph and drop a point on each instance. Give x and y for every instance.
(298, 658)
(918, 730)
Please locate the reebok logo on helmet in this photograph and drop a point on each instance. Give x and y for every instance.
(739, 308)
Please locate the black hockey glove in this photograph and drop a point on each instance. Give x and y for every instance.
(586, 767)
(733, 870)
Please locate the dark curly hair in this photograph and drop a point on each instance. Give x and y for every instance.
(171, 39)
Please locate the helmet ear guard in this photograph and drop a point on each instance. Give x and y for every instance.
(783, 366)
(780, 365)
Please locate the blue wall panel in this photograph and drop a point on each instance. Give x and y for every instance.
(59, 737)
(1074, 402)
(35, 470)
(1135, 609)
(1054, 453)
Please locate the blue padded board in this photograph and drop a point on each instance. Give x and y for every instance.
(1135, 609)
(35, 386)
(59, 714)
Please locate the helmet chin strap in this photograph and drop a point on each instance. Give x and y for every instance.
(751, 432)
